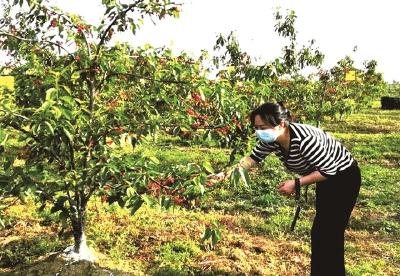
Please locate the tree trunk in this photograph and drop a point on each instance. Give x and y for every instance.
(78, 227)
(80, 250)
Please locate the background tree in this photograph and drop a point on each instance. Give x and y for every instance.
(82, 106)
(76, 94)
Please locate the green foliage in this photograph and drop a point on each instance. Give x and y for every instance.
(211, 236)
(370, 121)
(88, 113)
(77, 108)
(238, 176)
(368, 267)
(393, 90)
(252, 223)
(177, 254)
(385, 195)
(26, 251)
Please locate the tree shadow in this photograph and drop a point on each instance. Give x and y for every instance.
(27, 257)
(55, 265)
(169, 271)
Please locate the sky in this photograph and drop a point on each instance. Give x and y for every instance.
(336, 26)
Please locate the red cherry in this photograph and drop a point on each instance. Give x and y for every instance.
(110, 34)
(190, 112)
(209, 184)
(223, 130)
(195, 125)
(170, 180)
(53, 22)
(153, 185)
(119, 130)
(104, 198)
(331, 90)
(81, 28)
(91, 143)
(236, 122)
(179, 200)
(109, 142)
(196, 97)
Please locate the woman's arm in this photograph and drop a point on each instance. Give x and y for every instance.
(313, 177)
(246, 163)
(288, 186)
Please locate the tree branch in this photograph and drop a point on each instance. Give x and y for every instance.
(119, 15)
(16, 127)
(68, 19)
(9, 204)
(35, 41)
(147, 78)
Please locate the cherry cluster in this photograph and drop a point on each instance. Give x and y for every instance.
(160, 186)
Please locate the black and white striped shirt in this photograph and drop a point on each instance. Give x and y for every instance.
(310, 149)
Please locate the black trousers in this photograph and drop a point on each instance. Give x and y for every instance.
(335, 199)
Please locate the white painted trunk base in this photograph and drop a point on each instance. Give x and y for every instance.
(84, 252)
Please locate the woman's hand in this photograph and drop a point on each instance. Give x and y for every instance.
(221, 176)
(217, 177)
(287, 187)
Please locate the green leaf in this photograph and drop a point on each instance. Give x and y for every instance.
(8, 163)
(206, 234)
(235, 177)
(154, 160)
(56, 111)
(208, 167)
(50, 127)
(202, 189)
(55, 209)
(166, 202)
(67, 89)
(67, 114)
(35, 129)
(75, 76)
(215, 237)
(68, 100)
(3, 140)
(51, 94)
(149, 200)
(4, 180)
(136, 205)
(192, 168)
(131, 192)
(63, 217)
(69, 135)
(45, 106)
(245, 176)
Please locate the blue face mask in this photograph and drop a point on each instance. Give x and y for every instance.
(267, 135)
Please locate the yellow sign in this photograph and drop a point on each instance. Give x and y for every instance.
(350, 75)
(7, 82)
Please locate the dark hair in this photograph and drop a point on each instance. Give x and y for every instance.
(272, 113)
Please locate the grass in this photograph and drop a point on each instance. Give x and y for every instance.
(253, 222)
(372, 121)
